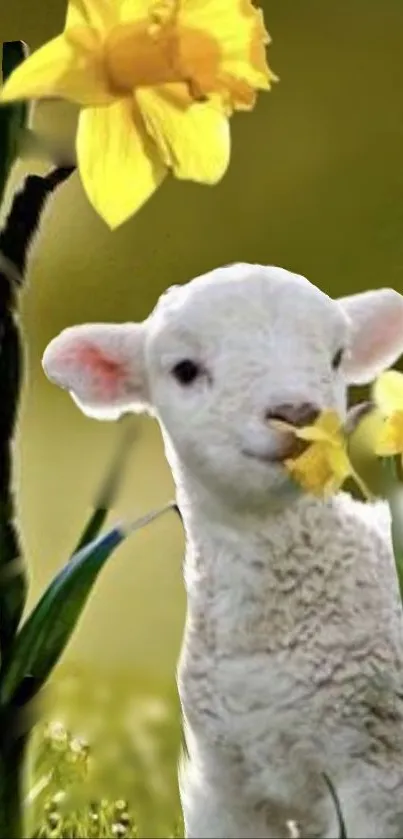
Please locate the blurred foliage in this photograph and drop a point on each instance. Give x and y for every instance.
(14, 119)
(105, 764)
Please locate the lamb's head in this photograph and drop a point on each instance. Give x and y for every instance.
(220, 357)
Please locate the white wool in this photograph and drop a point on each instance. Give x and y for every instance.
(292, 658)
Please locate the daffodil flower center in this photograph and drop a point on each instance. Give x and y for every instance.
(158, 50)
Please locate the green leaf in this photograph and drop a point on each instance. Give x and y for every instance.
(48, 629)
(109, 487)
(14, 118)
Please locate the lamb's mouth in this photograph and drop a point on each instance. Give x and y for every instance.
(290, 447)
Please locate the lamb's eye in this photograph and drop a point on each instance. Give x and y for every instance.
(337, 359)
(186, 371)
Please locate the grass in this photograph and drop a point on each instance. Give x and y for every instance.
(104, 763)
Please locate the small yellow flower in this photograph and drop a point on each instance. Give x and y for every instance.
(320, 470)
(388, 396)
(157, 81)
(324, 466)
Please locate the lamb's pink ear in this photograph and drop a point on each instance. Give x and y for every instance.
(102, 366)
(376, 321)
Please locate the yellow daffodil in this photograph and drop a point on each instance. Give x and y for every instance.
(324, 466)
(157, 81)
(387, 393)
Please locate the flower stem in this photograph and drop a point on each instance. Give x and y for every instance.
(362, 485)
(12, 762)
(15, 240)
(395, 501)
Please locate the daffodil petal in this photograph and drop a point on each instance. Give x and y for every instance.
(330, 422)
(387, 391)
(322, 468)
(312, 433)
(133, 10)
(194, 141)
(339, 463)
(55, 70)
(282, 425)
(386, 448)
(101, 14)
(310, 470)
(119, 165)
(390, 436)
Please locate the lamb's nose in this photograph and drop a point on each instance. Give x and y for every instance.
(302, 413)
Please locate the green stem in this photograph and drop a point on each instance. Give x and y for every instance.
(12, 762)
(395, 500)
(362, 486)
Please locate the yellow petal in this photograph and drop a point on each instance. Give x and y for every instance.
(312, 433)
(329, 421)
(133, 10)
(282, 425)
(193, 141)
(57, 70)
(311, 470)
(119, 165)
(390, 436)
(331, 487)
(318, 470)
(326, 429)
(339, 463)
(387, 391)
(321, 467)
(101, 14)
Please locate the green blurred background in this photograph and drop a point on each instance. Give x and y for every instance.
(315, 185)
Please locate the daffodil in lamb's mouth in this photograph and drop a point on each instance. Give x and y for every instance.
(157, 83)
(323, 465)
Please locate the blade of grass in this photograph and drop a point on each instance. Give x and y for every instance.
(394, 497)
(109, 488)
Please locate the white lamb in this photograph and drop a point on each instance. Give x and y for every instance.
(292, 659)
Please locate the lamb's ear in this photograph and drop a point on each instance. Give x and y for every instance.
(376, 322)
(102, 366)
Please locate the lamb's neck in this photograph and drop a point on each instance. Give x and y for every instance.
(221, 541)
(255, 582)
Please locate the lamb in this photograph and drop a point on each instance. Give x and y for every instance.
(291, 667)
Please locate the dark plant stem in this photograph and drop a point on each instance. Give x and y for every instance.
(15, 241)
(12, 763)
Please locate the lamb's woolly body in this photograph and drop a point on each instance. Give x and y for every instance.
(292, 660)
(292, 666)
